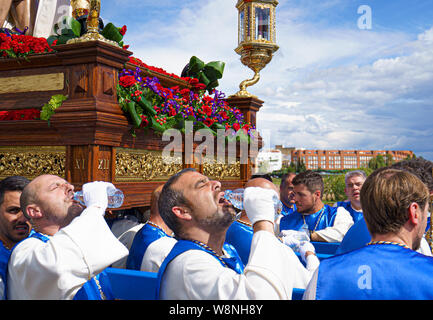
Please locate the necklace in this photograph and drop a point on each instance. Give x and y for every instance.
(245, 223)
(207, 248)
(7, 247)
(388, 242)
(158, 227)
(318, 220)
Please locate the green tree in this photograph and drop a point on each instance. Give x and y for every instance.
(389, 160)
(300, 167)
(377, 162)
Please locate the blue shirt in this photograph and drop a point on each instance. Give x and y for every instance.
(286, 210)
(319, 220)
(4, 259)
(143, 238)
(356, 215)
(356, 237)
(240, 236)
(376, 272)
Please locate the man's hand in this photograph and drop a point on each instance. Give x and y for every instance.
(258, 204)
(95, 194)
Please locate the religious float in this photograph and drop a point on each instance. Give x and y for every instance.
(79, 106)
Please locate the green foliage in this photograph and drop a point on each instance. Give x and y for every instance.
(334, 187)
(208, 74)
(49, 108)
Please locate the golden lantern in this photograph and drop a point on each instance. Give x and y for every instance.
(93, 7)
(256, 43)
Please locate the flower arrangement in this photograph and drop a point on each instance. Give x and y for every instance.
(25, 114)
(150, 105)
(20, 46)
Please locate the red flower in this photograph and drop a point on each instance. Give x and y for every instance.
(236, 126)
(224, 115)
(123, 30)
(127, 81)
(208, 122)
(200, 86)
(207, 110)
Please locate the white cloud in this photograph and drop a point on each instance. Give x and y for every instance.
(326, 87)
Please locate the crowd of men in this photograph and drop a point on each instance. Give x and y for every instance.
(202, 247)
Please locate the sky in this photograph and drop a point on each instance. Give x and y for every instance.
(332, 84)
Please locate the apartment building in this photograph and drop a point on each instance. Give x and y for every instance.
(343, 159)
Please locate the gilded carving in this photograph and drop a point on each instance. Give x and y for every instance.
(222, 171)
(143, 165)
(32, 161)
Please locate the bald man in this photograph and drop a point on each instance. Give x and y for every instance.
(71, 244)
(153, 241)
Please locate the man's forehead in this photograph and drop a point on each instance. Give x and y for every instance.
(188, 179)
(47, 180)
(356, 178)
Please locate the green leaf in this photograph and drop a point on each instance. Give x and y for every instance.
(111, 32)
(134, 116)
(214, 69)
(147, 107)
(195, 66)
(76, 27)
(203, 79)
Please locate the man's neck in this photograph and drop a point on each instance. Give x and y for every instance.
(393, 237)
(49, 230)
(356, 205)
(7, 243)
(214, 241)
(289, 205)
(156, 219)
(316, 208)
(244, 218)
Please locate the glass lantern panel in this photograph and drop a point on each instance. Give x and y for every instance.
(241, 26)
(248, 23)
(262, 23)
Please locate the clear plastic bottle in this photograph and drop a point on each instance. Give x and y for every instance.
(304, 234)
(236, 198)
(115, 197)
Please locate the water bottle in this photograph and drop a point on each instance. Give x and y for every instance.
(115, 197)
(304, 234)
(236, 198)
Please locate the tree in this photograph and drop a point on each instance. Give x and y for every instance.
(300, 167)
(377, 162)
(389, 160)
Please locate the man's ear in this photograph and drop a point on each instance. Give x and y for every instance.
(34, 212)
(182, 212)
(414, 213)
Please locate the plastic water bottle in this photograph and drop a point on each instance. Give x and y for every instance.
(115, 197)
(236, 198)
(304, 234)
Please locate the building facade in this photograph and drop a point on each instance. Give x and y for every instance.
(343, 159)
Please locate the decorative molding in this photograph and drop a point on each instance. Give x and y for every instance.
(135, 165)
(222, 170)
(32, 161)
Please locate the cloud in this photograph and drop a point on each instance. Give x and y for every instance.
(330, 85)
(386, 104)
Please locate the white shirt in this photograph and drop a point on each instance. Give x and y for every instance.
(271, 273)
(58, 268)
(125, 230)
(156, 252)
(342, 223)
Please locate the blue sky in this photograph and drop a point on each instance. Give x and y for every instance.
(331, 85)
